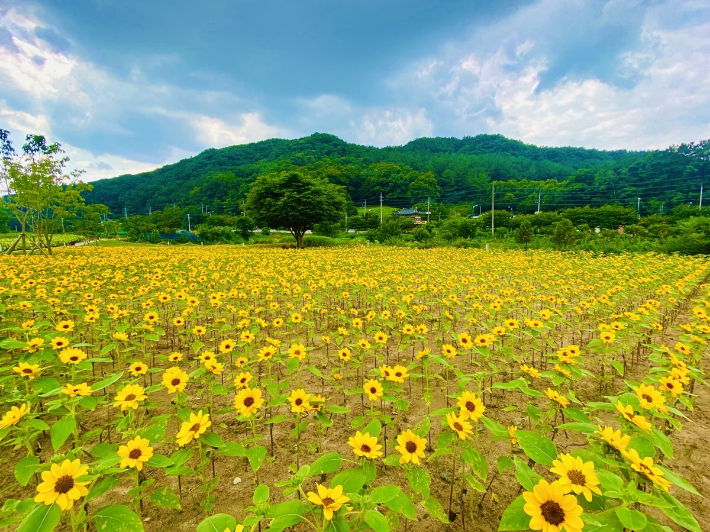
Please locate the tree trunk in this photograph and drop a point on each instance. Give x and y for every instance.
(299, 239)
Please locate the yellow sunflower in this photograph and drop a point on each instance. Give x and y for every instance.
(550, 509)
(373, 389)
(411, 447)
(193, 429)
(59, 484)
(331, 499)
(130, 396)
(365, 445)
(576, 475)
(459, 425)
(135, 453)
(472, 407)
(13, 416)
(299, 401)
(248, 401)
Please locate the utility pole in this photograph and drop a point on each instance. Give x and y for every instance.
(380, 208)
(638, 207)
(364, 213)
(150, 210)
(125, 212)
(538, 201)
(493, 211)
(701, 196)
(346, 219)
(189, 227)
(428, 209)
(243, 211)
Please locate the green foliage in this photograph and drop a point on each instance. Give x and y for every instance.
(524, 234)
(295, 201)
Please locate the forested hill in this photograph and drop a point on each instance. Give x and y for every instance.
(448, 170)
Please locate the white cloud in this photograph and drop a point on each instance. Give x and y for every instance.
(248, 127)
(391, 127)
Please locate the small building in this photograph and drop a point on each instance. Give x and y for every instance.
(414, 213)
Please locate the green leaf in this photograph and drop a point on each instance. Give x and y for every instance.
(213, 440)
(585, 428)
(285, 515)
(374, 428)
(477, 461)
(165, 497)
(525, 475)
(158, 460)
(101, 488)
(632, 519)
(504, 463)
(261, 494)
(117, 518)
(402, 505)
(352, 480)
(233, 449)
(601, 522)
(336, 409)
(618, 367)
(679, 513)
(326, 464)
(25, 468)
(217, 523)
(539, 448)
(663, 443)
(435, 509)
(675, 479)
(382, 494)
(61, 430)
(42, 519)
(498, 430)
(419, 480)
(256, 456)
(377, 521)
(108, 381)
(514, 518)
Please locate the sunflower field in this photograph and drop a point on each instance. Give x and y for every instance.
(224, 389)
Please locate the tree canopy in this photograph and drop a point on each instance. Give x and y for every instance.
(294, 201)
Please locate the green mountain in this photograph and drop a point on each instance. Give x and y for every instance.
(448, 170)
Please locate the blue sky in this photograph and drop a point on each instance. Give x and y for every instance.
(127, 86)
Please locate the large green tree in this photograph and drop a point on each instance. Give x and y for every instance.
(294, 201)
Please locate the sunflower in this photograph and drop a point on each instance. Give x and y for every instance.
(344, 354)
(459, 425)
(248, 401)
(28, 324)
(299, 401)
(398, 374)
(297, 351)
(175, 357)
(137, 368)
(407, 329)
(27, 370)
(551, 510)
(242, 380)
(363, 344)
(65, 326)
(207, 356)
(511, 432)
(72, 390)
(192, 429)
(13, 416)
(365, 445)
(34, 345)
(628, 413)
(424, 352)
(534, 373)
(649, 397)
(136, 452)
(175, 379)
(670, 385)
(120, 336)
(226, 346)
(246, 337)
(607, 337)
(60, 485)
(373, 389)
(484, 340)
(465, 340)
(266, 352)
(71, 355)
(331, 499)
(411, 447)
(216, 368)
(472, 407)
(381, 338)
(316, 402)
(576, 475)
(554, 396)
(240, 362)
(448, 350)
(646, 468)
(130, 396)
(199, 330)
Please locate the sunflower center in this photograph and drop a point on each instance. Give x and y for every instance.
(552, 512)
(298, 401)
(470, 406)
(74, 358)
(398, 374)
(577, 477)
(328, 501)
(647, 398)
(365, 448)
(175, 382)
(196, 427)
(27, 370)
(411, 447)
(458, 426)
(669, 385)
(64, 484)
(135, 454)
(130, 397)
(248, 401)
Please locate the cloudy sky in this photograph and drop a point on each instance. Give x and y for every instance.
(129, 85)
